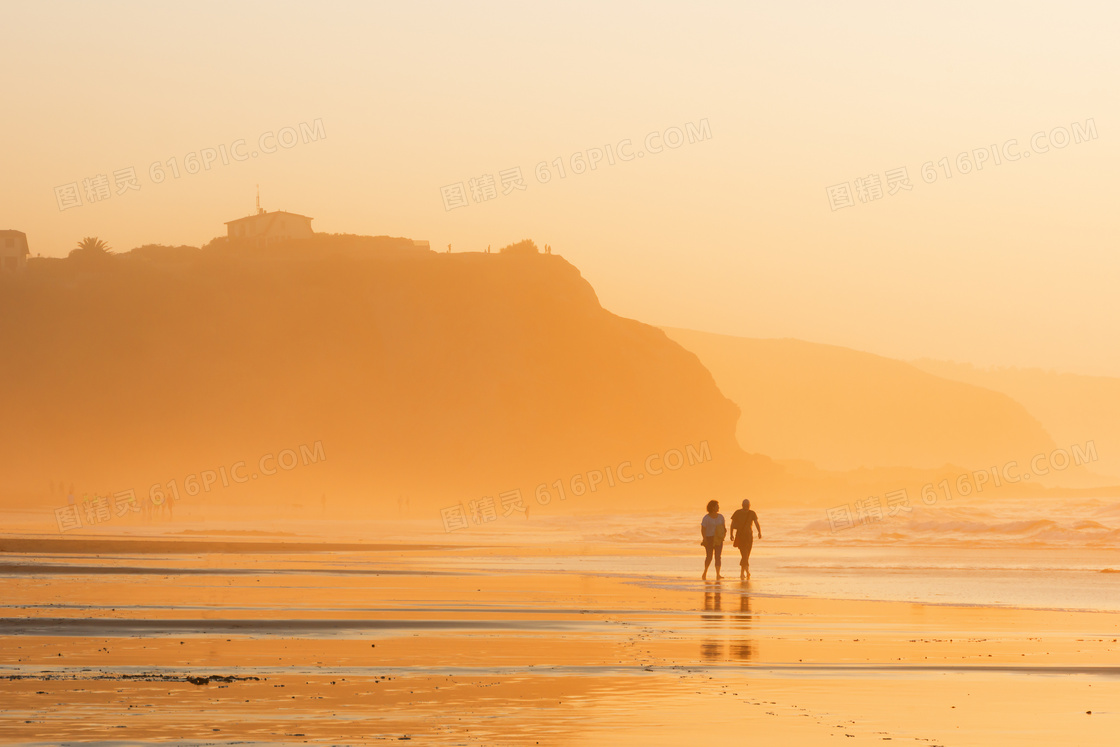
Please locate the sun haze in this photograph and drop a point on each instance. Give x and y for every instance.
(586, 373)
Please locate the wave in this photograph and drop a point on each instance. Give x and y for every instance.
(1068, 523)
(1025, 523)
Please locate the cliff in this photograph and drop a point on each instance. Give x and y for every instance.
(428, 377)
(843, 409)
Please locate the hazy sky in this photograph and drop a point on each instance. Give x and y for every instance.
(1012, 264)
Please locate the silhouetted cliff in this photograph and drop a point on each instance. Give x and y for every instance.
(438, 377)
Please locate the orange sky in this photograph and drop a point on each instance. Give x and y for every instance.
(1014, 264)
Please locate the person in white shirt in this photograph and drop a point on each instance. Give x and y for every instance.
(712, 531)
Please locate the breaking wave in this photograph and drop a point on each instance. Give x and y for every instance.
(1013, 523)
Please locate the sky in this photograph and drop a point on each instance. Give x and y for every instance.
(780, 212)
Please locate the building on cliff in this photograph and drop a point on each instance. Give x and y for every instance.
(263, 228)
(13, 251)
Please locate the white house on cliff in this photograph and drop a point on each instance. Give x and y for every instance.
(263, 228)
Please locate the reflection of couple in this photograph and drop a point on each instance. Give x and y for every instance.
(712, 531)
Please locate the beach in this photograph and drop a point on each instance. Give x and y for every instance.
(391, 372)
(501, 637)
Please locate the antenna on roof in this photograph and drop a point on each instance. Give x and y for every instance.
(259, 211)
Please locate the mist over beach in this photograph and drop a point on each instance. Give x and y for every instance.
(559, 375)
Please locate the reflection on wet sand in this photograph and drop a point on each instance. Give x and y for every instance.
(730, 646)
(712, 649)
(741, 649)
(712, 601)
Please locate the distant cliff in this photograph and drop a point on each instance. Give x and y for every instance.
(1072, 407)
(431, 377)
(843, 409)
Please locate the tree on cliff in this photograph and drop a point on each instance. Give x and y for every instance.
(90, 250)
(525, 246)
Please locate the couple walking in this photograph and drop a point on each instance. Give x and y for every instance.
(712, 531)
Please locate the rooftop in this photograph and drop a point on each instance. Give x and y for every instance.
(263, 214)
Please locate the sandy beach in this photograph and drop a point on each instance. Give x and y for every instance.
(499, 643)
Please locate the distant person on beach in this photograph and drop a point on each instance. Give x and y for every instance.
(742, 538)
(712, 530)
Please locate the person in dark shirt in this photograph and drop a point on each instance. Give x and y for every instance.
(742, 538)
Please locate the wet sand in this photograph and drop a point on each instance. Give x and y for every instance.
(447, 647)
